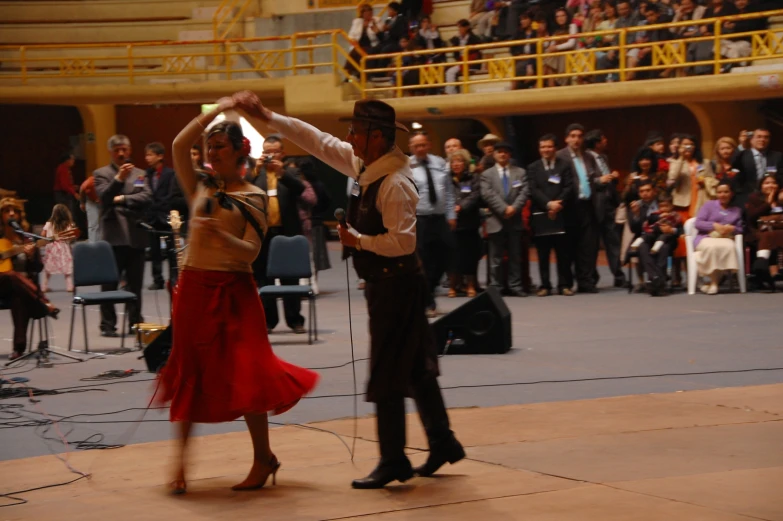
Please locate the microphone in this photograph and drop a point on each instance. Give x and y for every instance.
(144, 226)
(18, 228)
(339, 214)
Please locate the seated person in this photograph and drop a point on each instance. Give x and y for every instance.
(20, 264)
(427, 36)
(765, 224)
(659, 239)
(464, 37)
(717, 222)
(525, 64)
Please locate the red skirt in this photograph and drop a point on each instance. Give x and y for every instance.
(222, 365)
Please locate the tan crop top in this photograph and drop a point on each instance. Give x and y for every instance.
(208, 253)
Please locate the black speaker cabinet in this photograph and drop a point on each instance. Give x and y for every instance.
(481, 325)
(157, 353)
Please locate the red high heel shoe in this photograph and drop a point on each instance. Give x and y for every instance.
(178, 486)
(255, 482)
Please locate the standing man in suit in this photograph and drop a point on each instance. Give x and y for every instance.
(160, 179)
(435, 214)
(125, 196)
(582, 230)
(754, 163)
(551, 184)
(283, 187)
(606, 203)
(505, 191)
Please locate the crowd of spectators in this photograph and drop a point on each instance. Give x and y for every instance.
(573, 199)
(566, 27)
(568, 201)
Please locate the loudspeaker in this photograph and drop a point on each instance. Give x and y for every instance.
(482, 325)
(156, 354)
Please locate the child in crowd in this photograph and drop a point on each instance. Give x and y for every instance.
(58, 259)
(664, 215)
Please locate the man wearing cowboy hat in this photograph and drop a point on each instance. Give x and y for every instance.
(382, 235)
(487, 146)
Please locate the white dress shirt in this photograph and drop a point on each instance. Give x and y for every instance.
(397, 196)
(444, 188)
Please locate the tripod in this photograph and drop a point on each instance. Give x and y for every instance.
(42, 351)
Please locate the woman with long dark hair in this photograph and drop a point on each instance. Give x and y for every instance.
(222, 365)
(556, 64)
(765, 226)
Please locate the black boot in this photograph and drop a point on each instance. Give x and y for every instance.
(439, 457)
(384, 474)
(763, 276)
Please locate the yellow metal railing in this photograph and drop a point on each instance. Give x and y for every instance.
(328, 51)
(213, 59)
(228, 14)
(331, 4)
(495, 64)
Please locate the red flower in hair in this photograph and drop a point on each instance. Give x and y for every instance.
(245, 146)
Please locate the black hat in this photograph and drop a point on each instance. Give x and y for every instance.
(376, 112)
(503, 145)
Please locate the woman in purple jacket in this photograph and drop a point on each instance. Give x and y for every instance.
(717, 222)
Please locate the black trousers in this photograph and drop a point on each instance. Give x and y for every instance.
(544, 246)
(607, 231)
(507, 241)
(130, 262)
(156, 254)
(434, 243)
(655, 264)
(390, 417)
(27, 302)
(583, 239)
(292, 306)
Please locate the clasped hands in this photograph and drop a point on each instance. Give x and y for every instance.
(248, 102)
(724, 229)
(553, 208)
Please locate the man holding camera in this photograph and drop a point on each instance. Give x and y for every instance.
(283, 187)
(125, 195)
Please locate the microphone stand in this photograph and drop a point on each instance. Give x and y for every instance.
(33, 236)
(171, 255)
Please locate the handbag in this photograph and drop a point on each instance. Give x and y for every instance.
(771, 222)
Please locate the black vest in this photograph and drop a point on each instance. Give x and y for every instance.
(363, 215)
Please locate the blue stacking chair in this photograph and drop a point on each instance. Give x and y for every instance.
(289, 258)
(93, 265)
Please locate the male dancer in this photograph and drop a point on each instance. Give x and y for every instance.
(382, 235)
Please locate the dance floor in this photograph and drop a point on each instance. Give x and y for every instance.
(710, 455)
(608, 407)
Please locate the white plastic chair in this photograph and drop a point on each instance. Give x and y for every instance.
(693, 272)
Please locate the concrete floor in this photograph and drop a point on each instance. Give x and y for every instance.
(587, 346)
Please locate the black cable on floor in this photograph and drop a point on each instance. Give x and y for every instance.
(21, 501)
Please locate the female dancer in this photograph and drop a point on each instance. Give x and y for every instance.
(222, 365)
